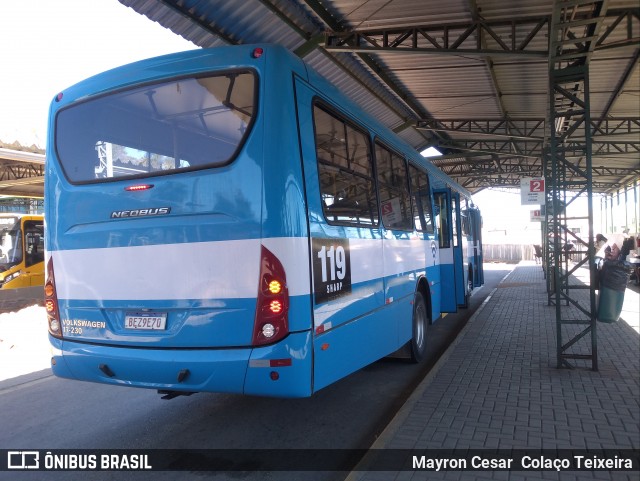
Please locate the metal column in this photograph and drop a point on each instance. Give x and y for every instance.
(573, 33)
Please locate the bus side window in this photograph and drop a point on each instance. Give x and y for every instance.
(443, 219)
(345, 171)
(394, 189)
(34, 241)
(454, 220)
(466, 227)
(421, 200)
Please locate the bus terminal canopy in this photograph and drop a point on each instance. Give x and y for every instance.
(468, 77)
(21, 171)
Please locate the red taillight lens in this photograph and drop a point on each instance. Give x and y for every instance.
(138, 187)
(271, 321)
(51, 302)
(275, 306)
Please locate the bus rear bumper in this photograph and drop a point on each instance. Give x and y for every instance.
(282, 370)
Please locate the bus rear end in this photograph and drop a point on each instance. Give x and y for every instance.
(161, 271)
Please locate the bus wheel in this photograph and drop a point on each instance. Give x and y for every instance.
(420, 321)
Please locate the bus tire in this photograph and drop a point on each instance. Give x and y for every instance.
(419, 324)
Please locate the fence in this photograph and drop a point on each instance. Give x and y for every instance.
(511, 253)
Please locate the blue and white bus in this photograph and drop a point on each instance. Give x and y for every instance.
(225, 220)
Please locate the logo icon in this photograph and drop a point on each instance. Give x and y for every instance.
(23, 460)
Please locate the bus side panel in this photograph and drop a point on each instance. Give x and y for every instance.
(340, 351)
(405, 258)
(354, 345)
(284, 209)
(448, 281)
(435, 288)
(360, 292)
(351, 326)
(421, 254)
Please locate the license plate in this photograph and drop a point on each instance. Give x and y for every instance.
(150, 321)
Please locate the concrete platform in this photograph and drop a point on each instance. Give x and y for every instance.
(497, 388)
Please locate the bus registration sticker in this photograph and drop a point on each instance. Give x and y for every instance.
(331, 269)
(152, 321)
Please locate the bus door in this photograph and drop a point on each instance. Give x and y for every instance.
(460, 252)
(345, 240)
(452, 262)
(34, 251)
(476, 235)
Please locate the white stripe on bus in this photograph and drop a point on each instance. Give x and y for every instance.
(216, 270)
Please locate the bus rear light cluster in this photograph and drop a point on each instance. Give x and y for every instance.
(51, 302)
(271, 320)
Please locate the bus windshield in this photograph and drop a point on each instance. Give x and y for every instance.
(190, 123)
(10, 242)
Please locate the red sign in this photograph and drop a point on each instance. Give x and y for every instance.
(536, 185)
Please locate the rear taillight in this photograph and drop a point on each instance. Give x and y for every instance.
(271, 321)
(51, 302)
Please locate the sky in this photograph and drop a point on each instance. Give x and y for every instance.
(48, 45)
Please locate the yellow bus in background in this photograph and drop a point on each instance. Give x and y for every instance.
(21, 251)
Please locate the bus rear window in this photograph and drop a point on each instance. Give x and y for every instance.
(184, 124)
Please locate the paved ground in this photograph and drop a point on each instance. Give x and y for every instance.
(497, 387)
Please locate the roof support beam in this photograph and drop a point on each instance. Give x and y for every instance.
(533, 148)
(466, 38)
(449, 39)
(526, 129)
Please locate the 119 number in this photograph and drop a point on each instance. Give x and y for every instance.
(337, 260)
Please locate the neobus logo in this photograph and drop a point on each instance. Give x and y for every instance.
(119, 214)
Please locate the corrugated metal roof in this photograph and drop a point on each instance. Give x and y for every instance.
(514, 9)
(357, 14)
(364, 97)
